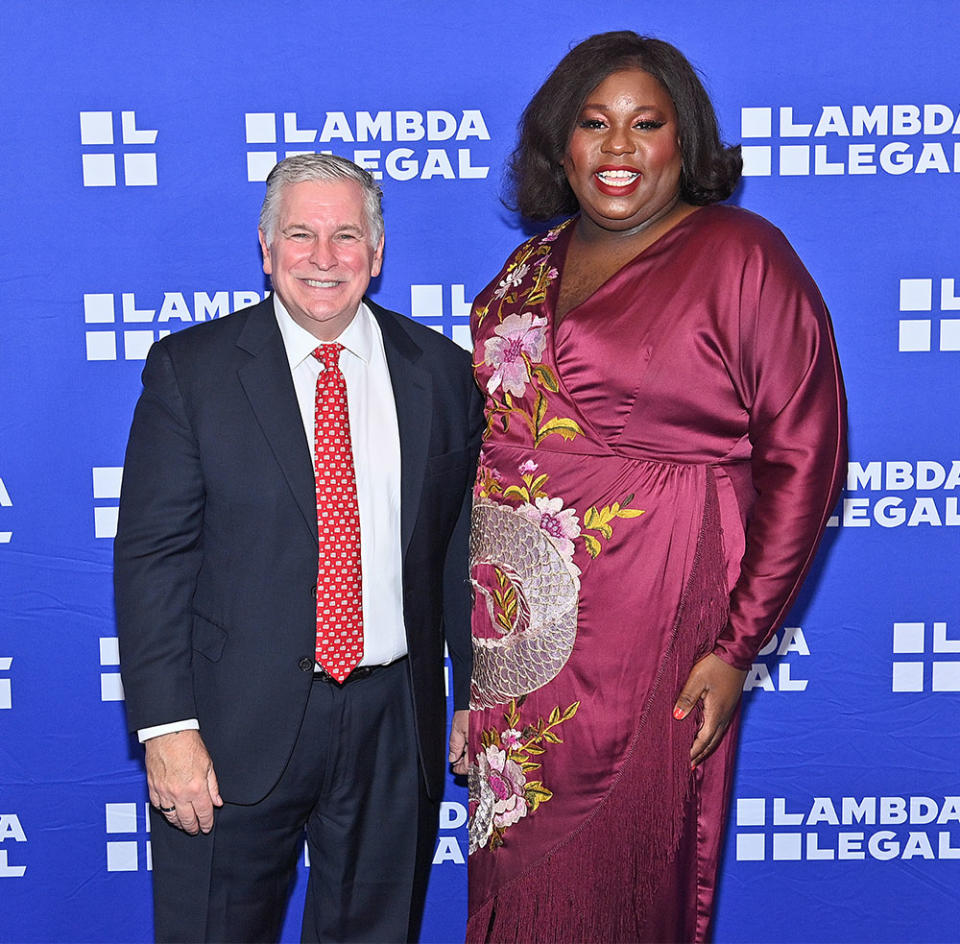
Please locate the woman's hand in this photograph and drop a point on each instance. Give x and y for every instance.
(719, 687)
(459, 736)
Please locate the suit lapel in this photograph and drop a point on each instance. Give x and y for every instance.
(266, 381)
(413, 394)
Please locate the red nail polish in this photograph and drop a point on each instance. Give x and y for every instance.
(678, 713)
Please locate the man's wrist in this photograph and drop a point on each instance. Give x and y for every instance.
(157, 730)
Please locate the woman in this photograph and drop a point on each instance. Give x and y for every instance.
(664, 444)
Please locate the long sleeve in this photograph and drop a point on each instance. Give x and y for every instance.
(456, 589)
(791, 383)
(157, 551)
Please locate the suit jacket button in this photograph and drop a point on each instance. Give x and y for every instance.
(313, 591)
(305, 664)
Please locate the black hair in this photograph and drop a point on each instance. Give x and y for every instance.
(536, 178)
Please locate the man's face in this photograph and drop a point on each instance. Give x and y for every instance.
(321, 260)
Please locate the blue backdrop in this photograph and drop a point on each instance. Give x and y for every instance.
(135, 140)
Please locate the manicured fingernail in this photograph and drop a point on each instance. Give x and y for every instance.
(678, 713)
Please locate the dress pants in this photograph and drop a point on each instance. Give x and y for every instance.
(354, 781)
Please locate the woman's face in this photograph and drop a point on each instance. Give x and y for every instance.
(623, 158)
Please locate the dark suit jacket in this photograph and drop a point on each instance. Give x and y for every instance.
(216, 548)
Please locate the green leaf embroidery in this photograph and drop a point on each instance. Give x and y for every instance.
(546, 376)
(570, 712)
(600, 521)
(567, 428)
(592, 544)
(516, 491)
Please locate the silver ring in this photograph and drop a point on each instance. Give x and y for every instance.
(167, 809)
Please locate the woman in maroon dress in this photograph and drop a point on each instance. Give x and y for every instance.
(664, 444)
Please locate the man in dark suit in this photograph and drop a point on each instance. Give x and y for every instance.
(282, 674)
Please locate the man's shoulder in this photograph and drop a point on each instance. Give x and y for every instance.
(220, 334)
(434, 345)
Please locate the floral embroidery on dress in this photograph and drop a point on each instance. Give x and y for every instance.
(522, 567)
(511, 280)
(523, 545)
(600, 521)
(561, 525)
(518, 343)
(523, 575)
(500, 794)
(533, 254)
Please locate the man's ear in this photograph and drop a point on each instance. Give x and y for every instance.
(267, 261)
(377, 263)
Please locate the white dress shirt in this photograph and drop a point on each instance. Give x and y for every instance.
(375, 439)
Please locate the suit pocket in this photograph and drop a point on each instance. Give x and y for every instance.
(208, 638)
(449, 463)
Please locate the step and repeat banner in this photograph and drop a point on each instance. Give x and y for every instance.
(136, 138)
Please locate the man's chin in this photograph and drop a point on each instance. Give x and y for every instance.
(326, 324)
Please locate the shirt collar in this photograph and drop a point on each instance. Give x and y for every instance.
(299, 344)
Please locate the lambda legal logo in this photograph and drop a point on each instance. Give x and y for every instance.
(812, 829)
(10, 831)
(100, 166)
(107, 480)
(917, 494)
(335, 130)
(115, 317)
(782, 644)
(99, 309)
(924, 670)
(831, 140)
(111, 686)
(453, 817)
(132, 853)
(916, 333)
(426, 305)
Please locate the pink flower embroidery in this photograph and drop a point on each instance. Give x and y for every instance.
(511, 280)
(485, 471)
(500, 794)
(517, 337)
(506, 780)
(560, 523)
(528, 467)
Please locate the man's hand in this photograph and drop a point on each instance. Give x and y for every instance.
(719, 687)
(182, 783)
(459, 733)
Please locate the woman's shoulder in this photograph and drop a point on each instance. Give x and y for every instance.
(535, 251)
(738, 224)
(737, 241)
(741, 237)
(538, 244)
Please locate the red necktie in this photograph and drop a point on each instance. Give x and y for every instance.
(339, 600)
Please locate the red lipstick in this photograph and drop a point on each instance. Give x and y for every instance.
(611, 186)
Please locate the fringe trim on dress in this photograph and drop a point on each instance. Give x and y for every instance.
(601, 882)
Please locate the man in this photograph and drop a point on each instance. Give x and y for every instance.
(290, 558)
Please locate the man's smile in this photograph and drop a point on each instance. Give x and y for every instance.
(315, 283)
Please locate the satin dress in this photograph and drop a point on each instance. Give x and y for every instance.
(655, 477)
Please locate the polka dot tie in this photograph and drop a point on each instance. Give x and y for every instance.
(339, 601)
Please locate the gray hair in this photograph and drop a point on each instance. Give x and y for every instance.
(302, 167)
